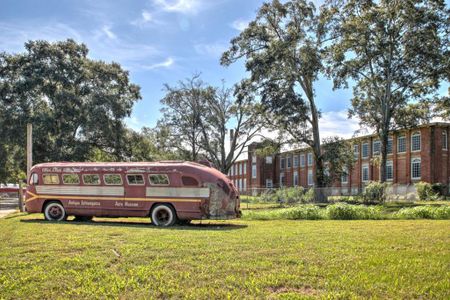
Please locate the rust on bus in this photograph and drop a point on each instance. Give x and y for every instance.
(166, 191)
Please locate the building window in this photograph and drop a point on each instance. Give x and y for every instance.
(254, 159)
(242, 168)
(282, 181)
(344, 176)
(245, 168)
(389, 145)
(365, 173)
(415, 141)
(302, 160)
(356, 150)
(444, 140)
(268, 160)
(401, 144)
(416, 168)
(254, 171)
(310, 159)
(245, 185)
(282, 163)
(295, 178)
(376, 147)
(295, 161)
(310, 178)
(365, 150)
(389, 170)
(289, 162)
(269, 183)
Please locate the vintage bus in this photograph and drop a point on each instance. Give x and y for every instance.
(168, 192)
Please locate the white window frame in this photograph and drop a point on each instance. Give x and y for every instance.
(365, 166)
(269, 183)
(344, 173)
(245, 168)
(416, 160)
(310, 178)
(268, 160)
(254, 171)
(281, 179)
(302, 160)
(310, 159)
(296, 161)
(282, 163)
(390, 163)
(356, 153)
(376, 152)
(289, 162)
(414, 135)
(295, 178)
(365, 145)
(391, 142)
(401, 137)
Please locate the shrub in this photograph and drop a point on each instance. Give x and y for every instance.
(375, 192)
(425, 191)
(305, 212)
(343, 211)
(424, 212)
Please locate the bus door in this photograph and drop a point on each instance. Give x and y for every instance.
(134, 192)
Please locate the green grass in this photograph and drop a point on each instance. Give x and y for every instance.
(287, 259)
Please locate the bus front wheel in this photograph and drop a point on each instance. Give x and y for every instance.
(54, 211)
(163, 215)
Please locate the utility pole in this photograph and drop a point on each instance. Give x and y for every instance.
(29, 149)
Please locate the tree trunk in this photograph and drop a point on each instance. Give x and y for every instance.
(384, 135)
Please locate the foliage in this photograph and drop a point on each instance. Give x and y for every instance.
(424, 212)
(220, 260)
(374, 192)
(302, 212)
(343, 211)
(76, 104)
(282, 51)
(380, 45)
(196, 117)
(338, 157)
(427, 191)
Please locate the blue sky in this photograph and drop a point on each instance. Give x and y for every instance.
(158, 41)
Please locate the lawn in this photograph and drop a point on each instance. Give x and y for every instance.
(120, 258)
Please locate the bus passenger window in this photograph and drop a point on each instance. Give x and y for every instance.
(71, 179)
(135, 179)
(113, 179)
(189, 181)
(50, 178)
(91, 179)
(34, 179)
(158, 179)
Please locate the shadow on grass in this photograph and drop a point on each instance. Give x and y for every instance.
(194, 226)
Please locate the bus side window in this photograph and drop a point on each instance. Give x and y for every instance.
(50, 178)
(112, 179)
(34, 179)
(158, 179)
(70, 179)
(189, 181)
(91, 179)
(135, 179)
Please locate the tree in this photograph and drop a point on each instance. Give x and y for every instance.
(200, 120)
(338, 158)
(183, 106)
(75, 104)
(282, 49)
(239, 117)
(396, 52)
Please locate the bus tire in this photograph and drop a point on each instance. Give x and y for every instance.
(54, 211)
(163, 215)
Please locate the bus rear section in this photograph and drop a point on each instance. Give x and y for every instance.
(166, 192)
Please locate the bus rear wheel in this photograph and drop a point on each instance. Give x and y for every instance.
(54, 211)
(163, 215)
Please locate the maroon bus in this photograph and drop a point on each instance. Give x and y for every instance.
(168, 191)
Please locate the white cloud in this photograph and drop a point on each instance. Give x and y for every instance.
(102, 42)
(239, 24)
(145, 19)
(214, 50)
(179, 6)
(336, 123)
(107, 31)
(165, 64)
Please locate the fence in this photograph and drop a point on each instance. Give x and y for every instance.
(394, 192)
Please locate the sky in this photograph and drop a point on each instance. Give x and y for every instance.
(158, 41)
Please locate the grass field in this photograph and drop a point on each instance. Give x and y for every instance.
(127, 258)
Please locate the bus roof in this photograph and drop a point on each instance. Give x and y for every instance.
(118, 164)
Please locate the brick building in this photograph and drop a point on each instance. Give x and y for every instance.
(415, 154)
